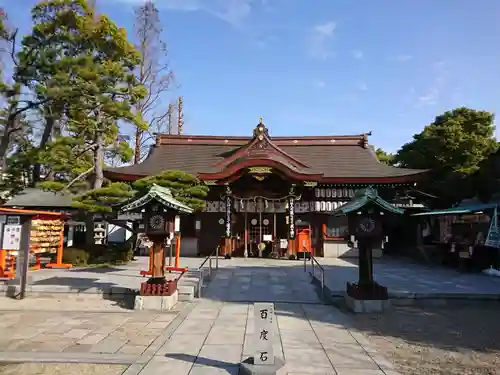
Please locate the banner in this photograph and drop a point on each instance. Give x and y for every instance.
(493, 238)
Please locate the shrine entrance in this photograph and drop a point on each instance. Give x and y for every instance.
(260, 218)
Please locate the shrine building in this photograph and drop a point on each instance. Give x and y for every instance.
(266, 189)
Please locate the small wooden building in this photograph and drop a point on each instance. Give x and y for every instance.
(260, 186)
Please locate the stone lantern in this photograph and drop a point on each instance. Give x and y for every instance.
(366, 213)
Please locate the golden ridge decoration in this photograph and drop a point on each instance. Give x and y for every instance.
(260, 170)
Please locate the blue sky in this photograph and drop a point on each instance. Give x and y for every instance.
(323, 67)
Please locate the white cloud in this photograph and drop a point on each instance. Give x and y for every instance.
(232, 11)
(363, 87)
(430, 97)
(319, 41)
(357, 54)
(433, 93)
(403, 58)
(319, 84)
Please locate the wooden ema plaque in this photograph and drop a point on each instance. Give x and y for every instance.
(167, 288)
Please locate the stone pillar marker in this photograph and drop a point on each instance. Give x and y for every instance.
(263, 361)
(263, 336)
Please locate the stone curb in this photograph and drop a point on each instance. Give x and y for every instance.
(60, 291)
(408, 298)
(41, 357)
(11, 290)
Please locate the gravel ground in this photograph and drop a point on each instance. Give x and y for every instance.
(439, 341)
(60, 369)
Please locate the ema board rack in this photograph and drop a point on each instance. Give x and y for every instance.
(46, 234)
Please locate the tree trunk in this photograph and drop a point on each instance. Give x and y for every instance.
(138, 140)
(98, 161)
(97, 182)
(8, 131)
(46, 137)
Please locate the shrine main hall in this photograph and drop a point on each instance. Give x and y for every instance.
(266, 192)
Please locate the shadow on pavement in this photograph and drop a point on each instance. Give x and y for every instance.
(229, 367)
(87, 287)
(97, 269)
(453, 327)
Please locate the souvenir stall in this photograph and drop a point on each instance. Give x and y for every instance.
(466, 232)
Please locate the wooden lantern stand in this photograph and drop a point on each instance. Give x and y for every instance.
(153, 261)
(157, 284)
(177, 267)
(161, 219)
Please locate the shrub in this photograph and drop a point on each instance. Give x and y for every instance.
(76, 256)
(99, 254)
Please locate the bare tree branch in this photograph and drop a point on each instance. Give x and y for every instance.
(154, 72)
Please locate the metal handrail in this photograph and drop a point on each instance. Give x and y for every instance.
(322, 279)
(209, 260)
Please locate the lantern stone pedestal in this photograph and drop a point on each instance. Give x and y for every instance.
(156, 303)
(360, 306)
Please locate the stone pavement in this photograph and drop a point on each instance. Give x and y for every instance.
(312, 339)
(209, 336)
(92, 333)
(403, 277)
(262, 280)
(125, 276)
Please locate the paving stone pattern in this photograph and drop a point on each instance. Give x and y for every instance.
(209, 336)
(77, 332)
(404, 277)
(262, 281)
(311, 338)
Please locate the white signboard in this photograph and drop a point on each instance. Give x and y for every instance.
(264, 333)
(11, 237)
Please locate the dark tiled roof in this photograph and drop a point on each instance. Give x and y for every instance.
(32, 197)
(332, 156)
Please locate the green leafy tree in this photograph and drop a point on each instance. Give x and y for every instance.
(46, 65)
(185, 187)
(384, 157)
(108, 199)
(81, 66)
(452, 147)
(486, 181)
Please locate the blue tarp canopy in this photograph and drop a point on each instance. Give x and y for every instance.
(465, 209)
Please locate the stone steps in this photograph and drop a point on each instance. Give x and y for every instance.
(188, 290)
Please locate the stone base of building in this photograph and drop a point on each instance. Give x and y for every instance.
(156, 303)
(247, 367)
(360, 306)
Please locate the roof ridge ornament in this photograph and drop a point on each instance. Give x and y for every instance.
(260, 130)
